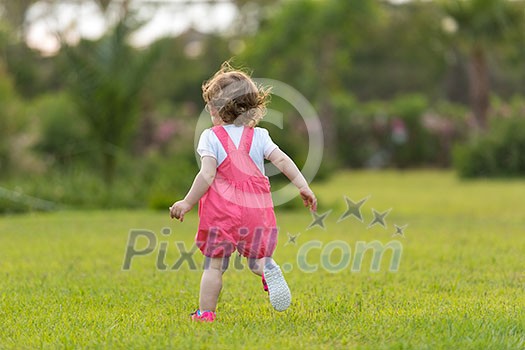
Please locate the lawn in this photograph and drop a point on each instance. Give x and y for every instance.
(458, 283)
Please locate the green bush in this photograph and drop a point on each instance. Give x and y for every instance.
(63, 133)
(354, 130)
(498, 153)
(12, 201)
(12, 123)
(151, 181)
(170, 180)
(407, 131)
(76, 187)
(421, 146)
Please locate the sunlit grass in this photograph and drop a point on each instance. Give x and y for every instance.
(459, 284)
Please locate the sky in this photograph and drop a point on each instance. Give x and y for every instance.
(74, 20)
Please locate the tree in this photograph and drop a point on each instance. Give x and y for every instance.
(108, 76)
(481, 26)
(15, 13)
(403, 52)
(308, 44)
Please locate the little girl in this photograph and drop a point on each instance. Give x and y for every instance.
(235, 203)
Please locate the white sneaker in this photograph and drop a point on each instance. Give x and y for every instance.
(280, 296)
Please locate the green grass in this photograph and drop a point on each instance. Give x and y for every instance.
(459, 284)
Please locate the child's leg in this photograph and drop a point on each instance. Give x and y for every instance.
(211, 282)
(273, 282)
(257, 265)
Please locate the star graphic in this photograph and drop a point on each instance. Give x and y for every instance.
(292, 239)
(353, 209)
(319, 219)
(379, 218)
(400, 230)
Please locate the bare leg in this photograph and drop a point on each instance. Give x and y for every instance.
(257, 265)
(211, 283)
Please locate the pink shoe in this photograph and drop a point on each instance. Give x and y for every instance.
(206, 316)
(265, 286)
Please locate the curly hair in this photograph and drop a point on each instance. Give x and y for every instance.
(236, 98)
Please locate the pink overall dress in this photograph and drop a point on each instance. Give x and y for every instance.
(236, 213)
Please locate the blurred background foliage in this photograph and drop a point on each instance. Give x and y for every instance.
(102, 123)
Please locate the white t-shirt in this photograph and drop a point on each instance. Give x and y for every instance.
(262, 144)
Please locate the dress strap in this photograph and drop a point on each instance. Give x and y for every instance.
(224, 138)
(246, 140)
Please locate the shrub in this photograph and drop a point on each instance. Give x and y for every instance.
(171, 179)
(12, 124)
(498, 153)
(151, 181)
(63, 134)
(14, 201)
(420, 146)
(407, 131)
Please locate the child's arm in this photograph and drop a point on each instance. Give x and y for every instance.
(200, 185)
(288, 168)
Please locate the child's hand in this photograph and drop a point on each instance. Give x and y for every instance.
(308, 197)
(178, 209)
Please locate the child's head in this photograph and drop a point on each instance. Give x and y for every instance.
(232, 96)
